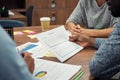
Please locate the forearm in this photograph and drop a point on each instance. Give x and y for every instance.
(97, 33)
(91, 42)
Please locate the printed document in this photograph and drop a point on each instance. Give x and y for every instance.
(36, 49)
(49, 70)
(57, 40)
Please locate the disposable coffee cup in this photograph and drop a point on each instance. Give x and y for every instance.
(45, 23)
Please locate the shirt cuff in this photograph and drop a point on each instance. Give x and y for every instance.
(99, 42)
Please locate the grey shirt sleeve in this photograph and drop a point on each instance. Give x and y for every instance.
(12, 66)
(76, 15)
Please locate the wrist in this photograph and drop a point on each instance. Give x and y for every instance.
(86, 32)
(91, 42)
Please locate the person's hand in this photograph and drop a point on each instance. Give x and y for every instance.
(29, 61)
(82, 40)
(73, 38)
(75, 30)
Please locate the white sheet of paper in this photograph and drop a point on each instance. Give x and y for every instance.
(55, 71)
(57, 40)
(37, 52)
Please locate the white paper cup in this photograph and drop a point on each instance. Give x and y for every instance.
(45, 23)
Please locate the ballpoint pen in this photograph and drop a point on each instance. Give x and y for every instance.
(79, 75)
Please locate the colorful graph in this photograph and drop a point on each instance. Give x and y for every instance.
(41, 74)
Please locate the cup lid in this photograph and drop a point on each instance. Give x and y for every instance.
(45, 19)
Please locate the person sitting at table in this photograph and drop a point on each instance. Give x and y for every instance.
(12, 66)
(91, 18)
(106, 61)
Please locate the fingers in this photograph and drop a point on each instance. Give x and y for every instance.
(82, 40)
(26, 54)
(75, 29)
(73, 38)
(78, 37)
(27, 57)
(78, 27)
(29, 61)
(83, 44)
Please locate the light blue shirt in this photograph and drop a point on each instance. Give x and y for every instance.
(106, 61)
(88, 12)
(12, 66)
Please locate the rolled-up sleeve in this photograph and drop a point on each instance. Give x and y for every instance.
(76, 15)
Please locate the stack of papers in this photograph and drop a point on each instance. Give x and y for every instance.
(49, 70)
(57, 41)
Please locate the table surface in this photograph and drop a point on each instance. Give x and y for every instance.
(81, 58)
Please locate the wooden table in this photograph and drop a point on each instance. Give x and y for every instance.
(82, 58)
(16, 16)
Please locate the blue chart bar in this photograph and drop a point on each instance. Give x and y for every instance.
(28, 47)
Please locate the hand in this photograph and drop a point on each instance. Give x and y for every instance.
(75, 30)
(82, 40)
(73, 38)
(29, 61)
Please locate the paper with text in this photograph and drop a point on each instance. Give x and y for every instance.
(37, 49)
(57, 40)
(54, 70)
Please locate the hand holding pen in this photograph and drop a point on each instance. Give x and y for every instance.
(29, 61)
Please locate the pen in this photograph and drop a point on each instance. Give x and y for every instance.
(79, 75)
(20, 53)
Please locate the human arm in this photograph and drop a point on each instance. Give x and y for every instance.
(12, 66)
(29, 61)
(82, 40)
(73, 28)
(76, 30)
(101, 33)
(105, 62)
(76, 17)
(86, 41)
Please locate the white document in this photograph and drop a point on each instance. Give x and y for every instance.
(54, 70)
(57, 40)
(36, 49)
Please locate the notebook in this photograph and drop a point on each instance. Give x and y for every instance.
(57, 41)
